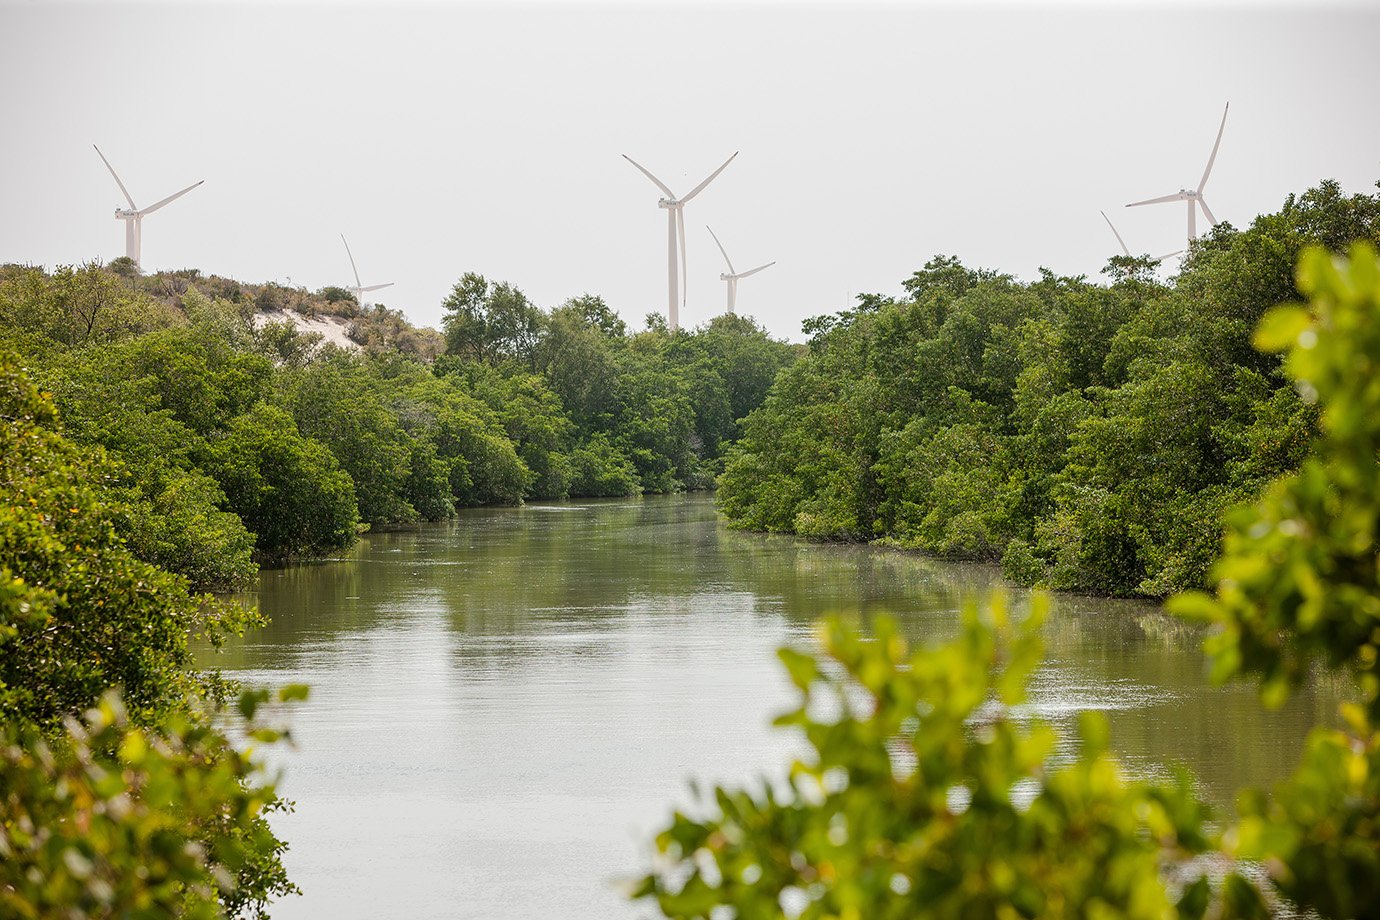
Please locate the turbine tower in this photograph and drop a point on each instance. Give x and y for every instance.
(730, 276)
(359, 290)
(1194, 196)
(675, 220)
(1126, 249)
(134, 216)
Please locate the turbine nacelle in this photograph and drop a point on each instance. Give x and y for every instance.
(732, 276)
(360, 288)
(134, 215)
(675, 235)
(1194, 196)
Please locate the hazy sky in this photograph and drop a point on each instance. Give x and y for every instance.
(444, 138)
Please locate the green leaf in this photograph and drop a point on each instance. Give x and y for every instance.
(1280, 327)
(291, 693)
(1194, 605)
(802, 668)
(249, 702)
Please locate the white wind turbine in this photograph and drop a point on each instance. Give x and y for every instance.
(675, 218)
(730, 276)
(359, 290)
(1126, 249)
(134, 217)
(1194, 196)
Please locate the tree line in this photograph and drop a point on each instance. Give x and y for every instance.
(1087, 436)
(231, 441)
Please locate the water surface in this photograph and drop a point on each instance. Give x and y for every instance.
(505, 707)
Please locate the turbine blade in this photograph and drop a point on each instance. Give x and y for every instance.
(699, 188)
(1124, 248)
(753, 271)
(171, 198)
(1179, 196)
(132, 205)
(1217, 143)
(1169, 255)
(721, 248)
(352, 261)
(659, 184)
(375, 287)
(1212, 221)
(684, 272)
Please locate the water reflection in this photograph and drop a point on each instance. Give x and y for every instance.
(505, 706)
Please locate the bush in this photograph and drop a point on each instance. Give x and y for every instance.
(180, 528)
(105, 618)
(598, 469)
(107, 819)
(287, 489)
(1020, 565)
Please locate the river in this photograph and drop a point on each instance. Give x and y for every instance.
(505, 707)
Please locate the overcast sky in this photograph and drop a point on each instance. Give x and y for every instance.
(445, 138)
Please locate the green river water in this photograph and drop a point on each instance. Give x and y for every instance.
(505, 707)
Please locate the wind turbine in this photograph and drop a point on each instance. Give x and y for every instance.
(731, 277)
(675, 221)
(1126, 249)
(359, 290)
(134, 216)
(1194, 196)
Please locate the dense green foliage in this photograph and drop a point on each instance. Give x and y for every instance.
(286, 488)
(1298, 589)
(233, 438)
(1301, 564)
(103, 617)
(924, 792)
(664, 404)
(144, 809)
(108, 819)
(1087, 435)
